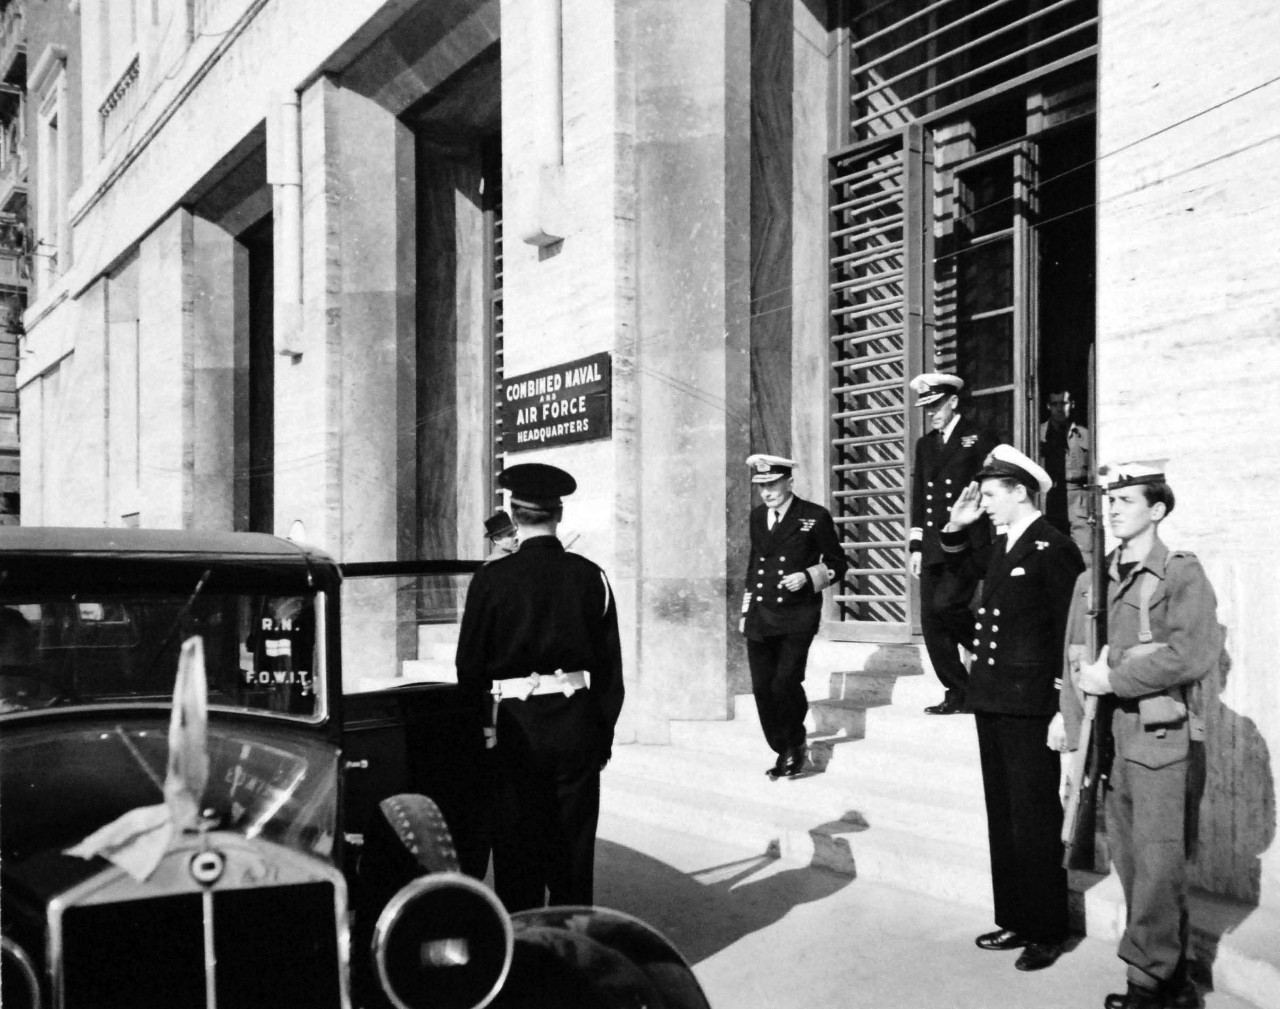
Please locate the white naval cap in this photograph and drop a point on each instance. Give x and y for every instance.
(1115, 475)
(1007, 461)
(768, 468)
(934, 386)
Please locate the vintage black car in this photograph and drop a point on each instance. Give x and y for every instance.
(323, 871)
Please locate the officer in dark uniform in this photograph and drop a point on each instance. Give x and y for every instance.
(1028, 574)
(946, 459)
(540, 635)
(795, 554)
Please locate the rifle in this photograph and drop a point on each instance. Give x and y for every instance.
(1089, 761)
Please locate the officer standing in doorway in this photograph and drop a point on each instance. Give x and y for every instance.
(947, 456)
(1064, 450)
(501, 533)
(795, 554)
(539, 648)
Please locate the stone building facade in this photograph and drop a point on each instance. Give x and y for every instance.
(310, 240)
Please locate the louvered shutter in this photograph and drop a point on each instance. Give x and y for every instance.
(879, 246)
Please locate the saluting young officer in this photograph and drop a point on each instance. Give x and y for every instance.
(946, 458)
(540, 633)
(1163, 639)
(1028, 574)
(795, 554)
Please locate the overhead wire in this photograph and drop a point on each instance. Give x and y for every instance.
(705, 396)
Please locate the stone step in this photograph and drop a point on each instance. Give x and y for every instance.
(758, 826)
(867, 690)
(806, 820)
(846, 719)
(841, 842)
(954, 767)
(909, 804)
(948, 737)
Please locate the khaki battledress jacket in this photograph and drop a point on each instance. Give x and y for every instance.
(1187, 641)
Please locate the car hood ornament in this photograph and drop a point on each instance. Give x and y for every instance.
(138, 840)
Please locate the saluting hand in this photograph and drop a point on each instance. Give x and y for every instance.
(967, 508)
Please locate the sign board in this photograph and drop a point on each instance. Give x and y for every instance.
(560, 405)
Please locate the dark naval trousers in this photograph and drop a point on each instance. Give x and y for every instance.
(777, 680)
(1024, 825)
(946, 622)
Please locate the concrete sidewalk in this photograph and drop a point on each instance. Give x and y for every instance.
(764, 933)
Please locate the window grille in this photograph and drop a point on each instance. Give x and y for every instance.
(912, 68)
(877, 314)
(910, 61)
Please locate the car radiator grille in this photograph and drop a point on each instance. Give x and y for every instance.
(273, 946)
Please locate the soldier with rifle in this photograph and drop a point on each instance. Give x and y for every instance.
(1163, 639)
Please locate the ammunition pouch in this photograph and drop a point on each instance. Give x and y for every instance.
(1160, 711)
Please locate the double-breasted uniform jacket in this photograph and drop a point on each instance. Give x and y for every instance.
(539, 610)
(1186, 640)
(942, 471)
(805, 540)
(1021, 619)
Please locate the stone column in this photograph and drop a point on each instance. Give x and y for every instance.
(67, 423)
(453, 427)
(124, 411)
(691, 360)
(165, 389)
(345, 405)
(214, 408)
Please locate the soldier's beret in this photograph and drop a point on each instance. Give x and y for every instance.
(768, 468)
(1006, 461)
(537, 485)
(933, 386)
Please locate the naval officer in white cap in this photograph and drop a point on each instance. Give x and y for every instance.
(946, 458)
(1028, 573)
(795, 555)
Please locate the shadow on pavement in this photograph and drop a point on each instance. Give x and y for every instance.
(708, 909)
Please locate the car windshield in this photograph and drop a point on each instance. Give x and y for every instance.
(111, 646)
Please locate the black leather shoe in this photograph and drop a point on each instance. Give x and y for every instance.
(1001, 938)
(1039, 955)
(1181, 993)
(1136, 997)
(795, 760)
(779, 767)
(948, 706)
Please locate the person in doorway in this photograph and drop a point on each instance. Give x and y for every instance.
(501, 534)
(1064, 451)
(946, 458)
(1028, 573)
(1163, 640)
(539, 635)
(795, 555)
